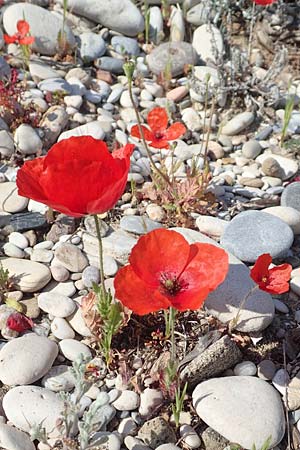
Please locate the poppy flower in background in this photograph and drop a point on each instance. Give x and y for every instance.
(264, 2)
(78, 176)
(275, 280)
(165, 270)
(20, 37)
(159, 134)
(19, 322)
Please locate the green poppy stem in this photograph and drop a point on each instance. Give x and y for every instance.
(101, 263)
(170, 316)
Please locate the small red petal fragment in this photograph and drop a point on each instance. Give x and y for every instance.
(19, 322)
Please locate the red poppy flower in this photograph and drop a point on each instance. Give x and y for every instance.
(264, 2)
(159, 134)
(78, 176)
(20, 37)
(275, 280)
(19, 322)
(165, 270)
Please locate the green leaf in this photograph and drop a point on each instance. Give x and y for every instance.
(12, 303)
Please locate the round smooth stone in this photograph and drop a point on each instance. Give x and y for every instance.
(59, 378)
(31, 276)
(13, 251)
(14, 439)
(25, 406)
(26, 359)
(178, 53)
(251, 149)
(61, 329)
(289, 215)
(238, 123)
(252, 233)
(208, 43)
(18, 239)
(266, 369)
(190, 437)
(56, 305)
(127, 401)
(90, 275)
(71, 349)
(150, 399)
(291, 196)
(71, 257)
(246, 368)
(78, 324)
(10, 201)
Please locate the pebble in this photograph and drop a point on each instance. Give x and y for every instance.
(25, 406)
(61, 329)
(138, 224)
(281, 380)
(13, 251)
(53, 122)
(44, 26)
(10, 201)
(208, 43)
(132, 443)
(200, 14)
(59, 378)
(13, 439)
(288, 214)
(71, 349)
(93, 129)
(117, 15)
(291, 196)
(71, 257)
(41, 71)
(156, 432)
(56, 305)
(238, 123)
(258, 312)
(151, 399)
(31, 276)
(266, 369)
(127, 401)
(280, 306)
(91, 46)
(90, 275)
(125, 45)
(78, 324)
(7, 147)
(238, 401)
(252, 233)
(26, 140)
(189, 436)
(111, 441)
(41, 255)
(182, 54)
(127, 427)
(156, 25)
(211, 226)
(246, 368)
(26, 359)
(285, 167)
(251, 149)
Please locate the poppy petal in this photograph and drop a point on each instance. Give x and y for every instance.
(19, 322)
(28, 180)
(135, 132)
(278, 280)
(206, 270)
(264, 2)
(159, 252)
(26, 40)
(159, 143)
(158, 120)
(136, 295)
(23, 27)
(176, 130)
(260, 269)
(123, 152)
(10, 39)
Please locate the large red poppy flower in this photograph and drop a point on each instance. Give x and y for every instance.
(275, 280)
(165, 270)
(78, 176)
(20, 37)
(159, 134)
(264, 2)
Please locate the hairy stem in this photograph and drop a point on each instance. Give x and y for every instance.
(97, 224)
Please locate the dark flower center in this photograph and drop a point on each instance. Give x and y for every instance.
(170, 285)
(158, 134)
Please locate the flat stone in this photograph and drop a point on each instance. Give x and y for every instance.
(125, 45)
(178, 53)
(224, 302)
(59, 378)
(213, 440)
(13, 439)
(53, 122)
(7, 146)
(238, 123)
(245, 368)
(117, 15)
(61, 329)
(266, 369)
(208, 43)
(150, 400)
(200, 14)
(71, 257)
(289, 215)
(138, 224)
(291, 196)
(78, 324)
(28, 221)
(10, 201)
(93, 129)
(127, 401)
(13, 251)
(91, 46)
(42, 71)
(252, 233)
(71, 349)
(56, 305)
(288, 167)
(44, 26)
(26, 406)
(29, 276)
(211, 226)
(26, 359)
(229, 404)
(27, 140)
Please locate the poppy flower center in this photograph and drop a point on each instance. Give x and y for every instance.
(158, 134)
(170, 285)
(264, 279)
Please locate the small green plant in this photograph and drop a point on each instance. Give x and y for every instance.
(265, 446)
(289, 106)
(177, 407)
(147, 23)
(62, 35)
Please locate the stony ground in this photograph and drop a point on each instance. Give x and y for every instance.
(251, 206)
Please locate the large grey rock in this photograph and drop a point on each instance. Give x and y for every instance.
(175, 54)
(289, 167)
(26, 359)
(13, 439)
(229, 405)
(118, 15)
(223, 303)
(44, 26)
(25, 406)
(291, 196)
(252, 233)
